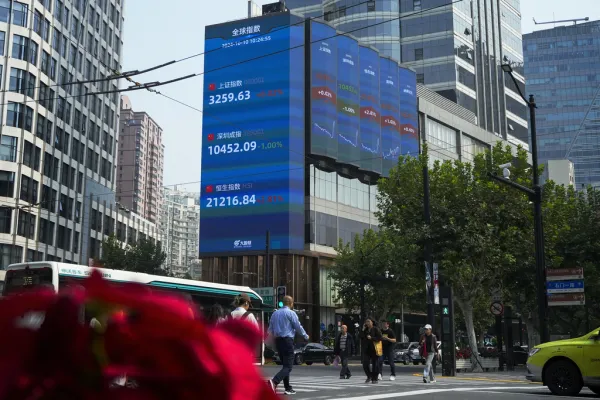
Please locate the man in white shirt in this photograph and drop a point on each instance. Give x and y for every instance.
(243, 304)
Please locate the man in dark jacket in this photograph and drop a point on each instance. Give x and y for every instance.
(344, 348)
(428, 349)
(370, 337)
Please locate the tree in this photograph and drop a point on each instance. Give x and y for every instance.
(474, 221)
(144, 256)
(380, 262)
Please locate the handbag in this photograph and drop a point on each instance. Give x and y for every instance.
(378, 348)
(336, 361)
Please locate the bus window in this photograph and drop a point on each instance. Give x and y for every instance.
(18, 280)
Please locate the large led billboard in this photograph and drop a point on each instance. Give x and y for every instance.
(323, 90)
(408, 113)
(370, 120)
(253, 136)
(390, 114)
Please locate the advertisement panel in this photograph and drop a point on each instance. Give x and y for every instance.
(348, 101)
(408, 113)
(370, 127)
(253, 136)
(390, 114)
(323, 90)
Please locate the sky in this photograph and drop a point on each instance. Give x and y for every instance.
(157, 32)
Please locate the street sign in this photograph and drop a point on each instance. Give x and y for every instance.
(564, 274)
(268, 300)
(497, 309)
(557, 287)
(570, 299)
(264, 291)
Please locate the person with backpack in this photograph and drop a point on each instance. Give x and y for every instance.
(428, 349)
(242, 304)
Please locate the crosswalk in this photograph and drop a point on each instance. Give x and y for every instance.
(315, 384)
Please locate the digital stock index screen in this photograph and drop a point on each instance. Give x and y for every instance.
(390, 114)
(253, 135)
(408, 113)
(370, 120)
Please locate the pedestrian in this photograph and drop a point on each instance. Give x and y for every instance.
(371, 350)
(344, 348)
(215, 314)
(388, 340)
(283, 327)
(428, 348)
(242, 304)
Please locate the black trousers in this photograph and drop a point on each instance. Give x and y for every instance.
(345, 371)
(389, 354)
(371, 366)
(285, 348)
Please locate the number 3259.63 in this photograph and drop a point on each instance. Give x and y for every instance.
(229, 97)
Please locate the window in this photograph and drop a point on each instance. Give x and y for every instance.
(29, 188)
(75, 248)
(46, 97)
(19, 49)
(46, 232)
(7, 184)
(58, 8)
(418, 54)
(8, 148)
(5, 11)
(2, 39)
(64, 204)
(45, 64)
(64, 179)
(49, 198)
(22, 82)
(19, 14)
(33, 52)
(31, 156)
(53, 64)
(421, 79)
(417, 5)
(371, 5)
(5, 219)
(19, 116)
(26, 223)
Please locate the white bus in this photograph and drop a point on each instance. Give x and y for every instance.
(19, 277)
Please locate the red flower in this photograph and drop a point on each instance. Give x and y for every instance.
(152, 338)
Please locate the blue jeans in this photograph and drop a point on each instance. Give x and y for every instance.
(285, 348)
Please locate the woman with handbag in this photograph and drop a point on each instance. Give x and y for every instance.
(372, 349)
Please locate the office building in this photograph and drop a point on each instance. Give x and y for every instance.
(456, 49)
(304, 180)
(58, 140)
(180, 231)
(562, 172)
(141, 162)
(561, 67)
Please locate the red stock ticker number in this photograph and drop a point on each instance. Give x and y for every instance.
(269, 199)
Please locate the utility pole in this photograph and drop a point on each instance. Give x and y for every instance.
(428, 247)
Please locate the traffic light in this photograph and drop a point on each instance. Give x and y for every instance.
(280, 295)
(445, 311)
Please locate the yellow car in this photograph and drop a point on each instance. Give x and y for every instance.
(565, 366)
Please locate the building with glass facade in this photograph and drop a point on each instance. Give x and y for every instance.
(561, 67)
(58, 140)
(456, 49)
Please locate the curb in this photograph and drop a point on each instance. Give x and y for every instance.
(484, 379)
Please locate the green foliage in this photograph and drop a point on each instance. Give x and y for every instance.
(384, 264)
(144, 256)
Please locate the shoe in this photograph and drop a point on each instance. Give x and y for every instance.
(289, 391)
(368, 380)
(380, 377)
(425, 380)
(434, 381)
(272, 385)
(392, 378)
(374, 382)
(343, 377)
(348, 377)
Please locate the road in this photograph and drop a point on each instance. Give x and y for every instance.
(318, 382)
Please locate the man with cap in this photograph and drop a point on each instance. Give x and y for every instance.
(428, 348)
(243, 304)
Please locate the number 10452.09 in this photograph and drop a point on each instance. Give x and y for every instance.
(229, 201)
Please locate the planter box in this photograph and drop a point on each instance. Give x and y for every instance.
(486, 364)
(463, 364)
(490, 363)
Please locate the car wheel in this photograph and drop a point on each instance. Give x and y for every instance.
(405, 361)
(423, 362)
(595, 389)
(415, 362)
(298, 359)
(308, 363)
(278, 362)
(328, 360)
(563, 378)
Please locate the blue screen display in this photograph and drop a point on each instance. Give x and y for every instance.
(348, 101)
(323, 106)
(370, 120)
(253, 136)
(390, 114)
(408, 113)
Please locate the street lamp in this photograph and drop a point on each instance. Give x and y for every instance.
(535, 195)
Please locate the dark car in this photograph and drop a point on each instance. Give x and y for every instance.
(309, 353)
(407, 353)
(520, 355)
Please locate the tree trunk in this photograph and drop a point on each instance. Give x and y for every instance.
(467, 310)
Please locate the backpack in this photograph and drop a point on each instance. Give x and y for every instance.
(245, 316)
